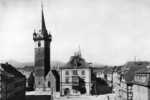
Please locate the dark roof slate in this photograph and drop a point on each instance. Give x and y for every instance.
(131, 68)
(76, 62)
(56, 75)
(10, 69)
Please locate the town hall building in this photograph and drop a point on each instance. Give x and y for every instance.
(71, 73)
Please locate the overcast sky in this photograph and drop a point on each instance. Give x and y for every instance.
(108, 31)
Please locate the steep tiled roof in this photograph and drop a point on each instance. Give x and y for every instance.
(117, 69)
(143, 70)
(98, 69)
(10, 69)
(109, 70)
(76, 61)
(56, 75)
(131, 68)
(138, 80)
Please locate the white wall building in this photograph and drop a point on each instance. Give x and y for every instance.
(70, 73)
(141, 90)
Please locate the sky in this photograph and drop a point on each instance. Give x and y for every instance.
(108, 32)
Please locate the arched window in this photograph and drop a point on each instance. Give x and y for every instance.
(49, 84)
(39, 44)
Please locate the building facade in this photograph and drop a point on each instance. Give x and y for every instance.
(126, 75)
(99, 71)
(70, 73)
(52, 81)
(13, 83)
(141, 87)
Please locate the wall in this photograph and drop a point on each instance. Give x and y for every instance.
(140, 92)
(12, 87)
(123, 90)
(50, 78)
(86, 77)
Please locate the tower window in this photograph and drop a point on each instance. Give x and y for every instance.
(39, 44)
(49, 84)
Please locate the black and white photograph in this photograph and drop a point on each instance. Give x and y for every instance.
(74, 49)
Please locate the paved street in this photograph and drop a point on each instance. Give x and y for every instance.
(75, 98)
(38, 95)
(100, 97)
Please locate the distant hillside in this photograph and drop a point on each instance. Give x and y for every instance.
(19, 64)
(24, 64)
(100, 65)
(26, 68)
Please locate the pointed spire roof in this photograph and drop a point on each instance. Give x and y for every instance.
(43, 26)
(79, 52)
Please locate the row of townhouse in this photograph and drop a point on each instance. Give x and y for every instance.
(141, 84)
(126, 84)
(12, 83)
(128, 73)
(130, 81)
(108, 74)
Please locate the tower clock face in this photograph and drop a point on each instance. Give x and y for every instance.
(39, 44)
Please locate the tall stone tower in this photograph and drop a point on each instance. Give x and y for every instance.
(42, 42)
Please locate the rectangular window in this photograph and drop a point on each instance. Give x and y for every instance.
(75, 80)
(67, 80)
(75, 72)
(83, 72)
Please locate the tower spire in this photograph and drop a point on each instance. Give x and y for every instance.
(43, 26)
(79, 51)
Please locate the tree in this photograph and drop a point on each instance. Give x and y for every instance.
(81, 86)
(100, 86)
